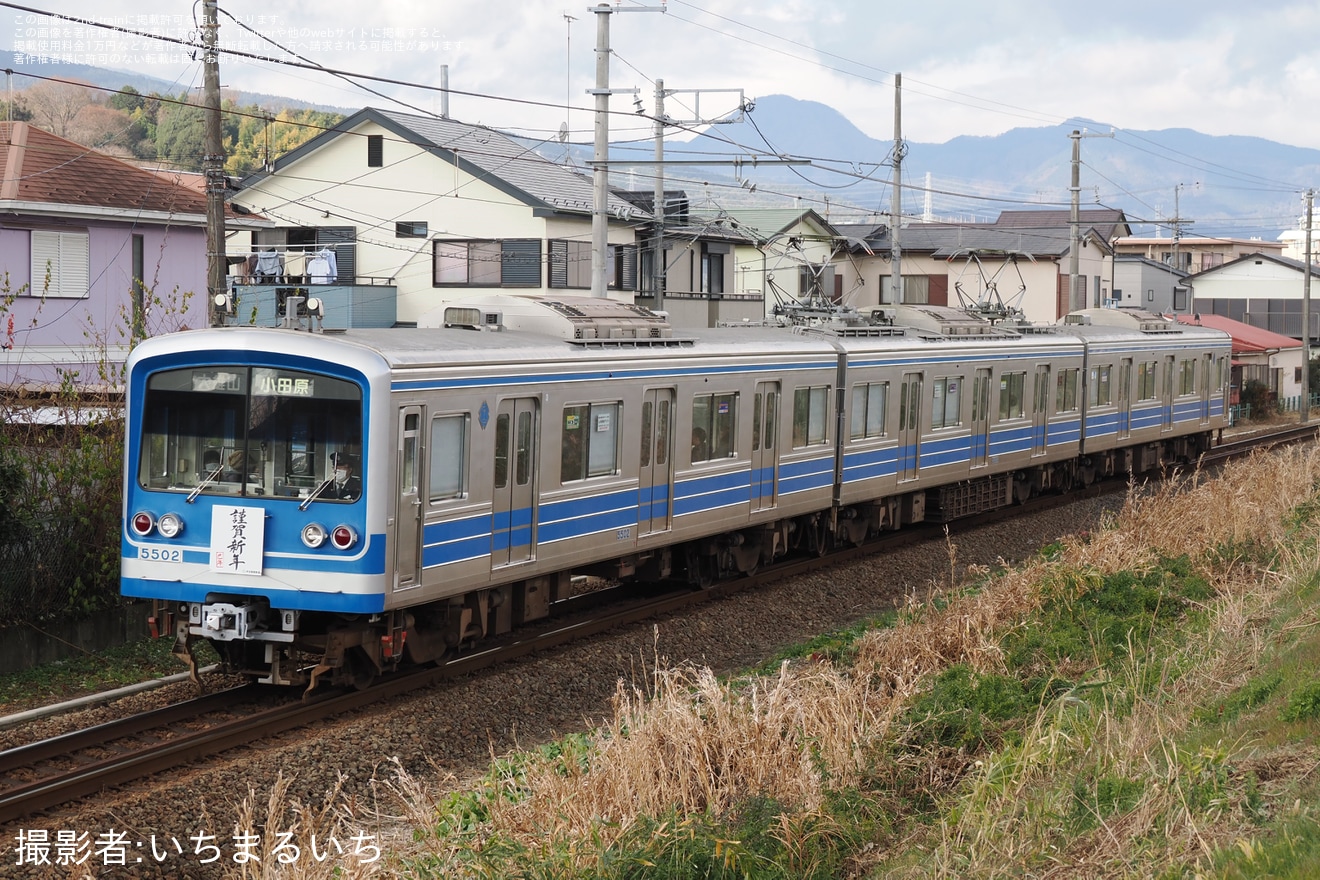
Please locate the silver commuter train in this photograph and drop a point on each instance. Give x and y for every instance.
(329, 504)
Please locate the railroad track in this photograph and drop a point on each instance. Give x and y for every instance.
(49, 773)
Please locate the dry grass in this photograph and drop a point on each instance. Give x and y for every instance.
(681, 741)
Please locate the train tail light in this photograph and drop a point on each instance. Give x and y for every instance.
(343, 537)
(142, 523)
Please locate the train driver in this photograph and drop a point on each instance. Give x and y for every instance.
(346, 485)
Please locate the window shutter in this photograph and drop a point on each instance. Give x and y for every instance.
(65, 256)
(521, 263)
(558, 264)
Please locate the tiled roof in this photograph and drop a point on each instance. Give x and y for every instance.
(41, 168)
(1105, 221)
(1246, 338)
(768, 222)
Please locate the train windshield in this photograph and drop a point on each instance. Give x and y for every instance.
(252, 431)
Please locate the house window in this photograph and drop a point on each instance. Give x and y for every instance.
(375, 150)
(946, 402)
(60, 264)
(712, 268)
(570, 264)
(621, 267)
(410, 229)
(1180, 299)
(916, 289)
(514, 262)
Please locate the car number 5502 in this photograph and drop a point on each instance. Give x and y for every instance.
(161, 554)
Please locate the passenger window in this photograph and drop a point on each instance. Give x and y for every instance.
(502, 451)
(524, 460)
(1012, 387)
(1066, 399)
(946, 408)
(662, 435)
(590, 441)
(714, 417)
(810, 416)
(1146, 380)
(868, 409)
(647, 428)
(1098, 394)
(449, 457)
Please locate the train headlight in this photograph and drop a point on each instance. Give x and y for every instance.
(343, 537)
(313, 535)
(170, 525)
(143, 523)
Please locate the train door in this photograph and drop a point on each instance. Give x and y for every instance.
(1207, 365)
(407, 554)
(1040, 410)
(1125, 398)
(980, 417)
(656, 472)
(765, 418)
(1167, 406)
(513, 529)
(909, 427)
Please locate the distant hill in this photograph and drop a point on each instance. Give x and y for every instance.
(116, 79)
(1239, 186)
(1232, 186)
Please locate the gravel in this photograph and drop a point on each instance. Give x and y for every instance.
(449, 732)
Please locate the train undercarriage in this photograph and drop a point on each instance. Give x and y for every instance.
(306, 649)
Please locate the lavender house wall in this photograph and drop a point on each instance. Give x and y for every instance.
(45, 337)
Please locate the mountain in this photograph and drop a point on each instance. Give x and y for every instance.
(116, 79)
(1231, 185)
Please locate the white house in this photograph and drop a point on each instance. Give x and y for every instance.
(1263, 290)
(417, 211)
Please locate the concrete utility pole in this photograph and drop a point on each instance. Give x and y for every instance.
(661, 120)
(1306, 315)
(1178, 222)
(600, 175)
(658, 243)
(1075, 256)
(213, 164)
(896, 200)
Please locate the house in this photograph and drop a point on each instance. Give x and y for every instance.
(695, 276)
(94, 250)
(1195, 254)
(1261, 289)
(404, 213)
(787, 255)
(1141, 282)
(1020, 261)
(1272, 359)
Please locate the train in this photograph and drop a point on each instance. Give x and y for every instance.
(325, 506)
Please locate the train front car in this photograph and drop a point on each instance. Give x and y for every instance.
(246, 515)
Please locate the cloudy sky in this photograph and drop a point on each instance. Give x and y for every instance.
(968, 68)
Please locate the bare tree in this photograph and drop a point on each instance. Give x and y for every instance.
(56, 103)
